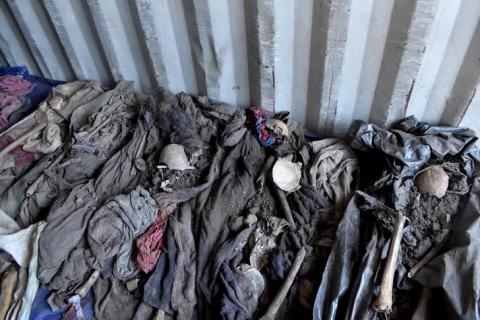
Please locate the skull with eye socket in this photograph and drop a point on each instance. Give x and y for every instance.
(278, 128)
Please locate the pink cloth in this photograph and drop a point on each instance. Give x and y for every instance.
(12, 92)
(20, 156)
(149, 245)
(15, 85)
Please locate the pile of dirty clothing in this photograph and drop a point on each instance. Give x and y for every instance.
(408, 244)
(136, 206)
(117, 205)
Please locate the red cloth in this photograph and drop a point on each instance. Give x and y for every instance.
(149, 245)
(256, 119)
(20, 156)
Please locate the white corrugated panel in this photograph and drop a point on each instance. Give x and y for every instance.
(326, 61)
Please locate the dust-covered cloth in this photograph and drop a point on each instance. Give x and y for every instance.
(113, 301)
(353, 272)
(100, 127)
(149, 245)
(42, 132)
(114, 226)
(66, 223)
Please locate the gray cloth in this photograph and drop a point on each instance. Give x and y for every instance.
(348, 284)
(32, 282)
(334, 299)
(119, 172)
(183, 299)
(66, 224)
(11, 199)
(31, 132)
(329, 167)
(100, 127)
(236, 290)
(157, 291)
(238, 171)
(113, 301)
(74, 270)
(114, 226)
(144, 312)
(410, 144)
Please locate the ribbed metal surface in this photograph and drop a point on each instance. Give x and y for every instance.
(326, 61)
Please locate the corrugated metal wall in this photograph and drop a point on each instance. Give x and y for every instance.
(326, 61)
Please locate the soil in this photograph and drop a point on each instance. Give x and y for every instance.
(429, 216)
(430, 220)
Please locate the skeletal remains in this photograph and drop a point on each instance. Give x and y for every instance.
(432, 180)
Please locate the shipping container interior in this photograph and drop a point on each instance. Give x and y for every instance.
(327, 61)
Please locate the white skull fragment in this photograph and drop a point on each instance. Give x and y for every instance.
(174, 157)
(286, 174)
(432, 180)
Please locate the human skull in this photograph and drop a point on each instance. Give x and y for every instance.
(174, 157)
(286, 174)
(432, 180)
(255, 277)
(278, 127)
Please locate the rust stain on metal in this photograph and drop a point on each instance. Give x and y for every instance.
(409, 94)
(466, 108)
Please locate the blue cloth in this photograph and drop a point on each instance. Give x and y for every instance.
(41, 309)
(43, 85)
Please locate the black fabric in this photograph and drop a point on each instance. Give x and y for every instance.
(158, 288)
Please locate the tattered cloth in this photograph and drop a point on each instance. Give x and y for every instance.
(149, 245)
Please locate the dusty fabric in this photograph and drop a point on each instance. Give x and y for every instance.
(329, 167)
(33, 282)
(99, 126)
(18, 294)
(9, 281)
(158, 288)
(73, 271)
(457, 279)
(11, 199)
(237, 177)
(113, 301)
(183, 298)
(353, 272)
(119, 171)
(317, 207)
(230, 243)
(144, 311)
(42, 132)
(237, 298)
(332, 298)
(114, 226)
(149, 245)
(16, 241)
(22, 245)
(18, 245)
(409, 145)
(66, 224)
